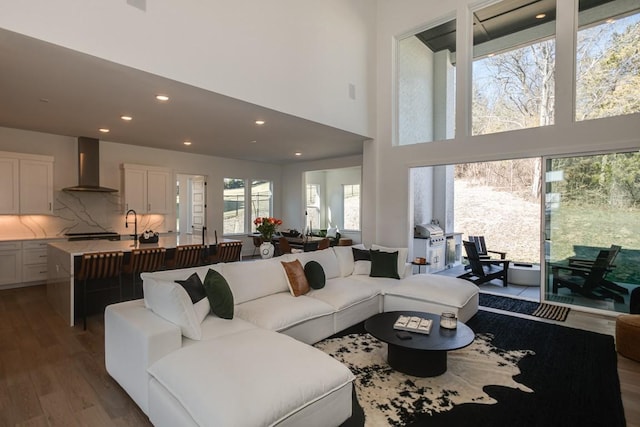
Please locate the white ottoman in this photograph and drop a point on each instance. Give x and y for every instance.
(433, 294)
(250, 378)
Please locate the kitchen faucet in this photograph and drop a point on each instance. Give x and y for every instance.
(135, 223)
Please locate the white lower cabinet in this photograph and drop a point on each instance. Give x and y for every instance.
(23, 263)
(34, 261)
(10, 263)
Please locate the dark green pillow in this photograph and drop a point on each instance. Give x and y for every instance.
(384, 264)
(219, 294)
(315, 274)
(193, 286)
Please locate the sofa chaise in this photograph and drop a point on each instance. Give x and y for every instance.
(183, 365)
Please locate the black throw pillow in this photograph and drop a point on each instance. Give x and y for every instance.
(219, 294)
(361, 254)
(315, 274)
(384, 264)
(193, 286)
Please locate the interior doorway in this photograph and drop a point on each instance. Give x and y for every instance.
(191, 203)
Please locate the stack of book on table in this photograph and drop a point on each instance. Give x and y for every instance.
(413, 324)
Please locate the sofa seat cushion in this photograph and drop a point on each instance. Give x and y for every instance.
(214, 327)
(280, 311)
(255, 377)
(343, 292)
(381, 284)
(443, 290)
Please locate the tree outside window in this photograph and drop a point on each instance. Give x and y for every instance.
(236, 192)
(351, 206)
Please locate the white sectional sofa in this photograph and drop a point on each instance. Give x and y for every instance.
(185, 366)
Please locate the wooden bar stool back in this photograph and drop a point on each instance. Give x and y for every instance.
(226, 252)
(99, 266)
(188, 256)
(144, 260)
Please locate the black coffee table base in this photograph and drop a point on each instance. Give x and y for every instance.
(419, 363)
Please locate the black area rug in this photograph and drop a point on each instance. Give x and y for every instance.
(518, 373)
(545, 311)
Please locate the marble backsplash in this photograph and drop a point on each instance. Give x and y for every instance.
(79, 212)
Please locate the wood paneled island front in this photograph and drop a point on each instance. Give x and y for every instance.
(61, 258)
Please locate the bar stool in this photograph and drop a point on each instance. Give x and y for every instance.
(99, 266)
(187, 256)
(226, 252)
(144, 260)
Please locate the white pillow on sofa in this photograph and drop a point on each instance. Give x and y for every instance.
(402, 256)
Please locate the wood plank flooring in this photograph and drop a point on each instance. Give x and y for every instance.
(54, 375)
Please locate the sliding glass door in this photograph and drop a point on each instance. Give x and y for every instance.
(592, 230)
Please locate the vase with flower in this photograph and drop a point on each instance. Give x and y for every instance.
(267, 227)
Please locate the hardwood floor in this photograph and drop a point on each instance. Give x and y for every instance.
(51, 374)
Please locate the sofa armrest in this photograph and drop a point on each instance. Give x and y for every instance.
(135, 338)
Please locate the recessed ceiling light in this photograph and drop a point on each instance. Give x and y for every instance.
(259, 122)
(162, 98)
(297, 153)
(253, 142)
(610, 21)
(187, 143)
(541, 15)
(104, 130)
(126, 118)
(45, 100)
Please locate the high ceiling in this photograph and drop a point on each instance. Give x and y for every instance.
(498, 20)
(51, 89)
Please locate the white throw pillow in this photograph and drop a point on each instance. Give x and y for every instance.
(344, 254)
(171, 301)
(402, 256)
(362, 268)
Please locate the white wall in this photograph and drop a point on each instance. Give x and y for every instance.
(294, 56)
(293, 191)
(388, 166)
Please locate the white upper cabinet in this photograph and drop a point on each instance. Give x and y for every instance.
(9, 190)
(36, 187)
(27, 184)
(148, 189)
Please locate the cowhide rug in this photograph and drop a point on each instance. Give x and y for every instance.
(392, 398)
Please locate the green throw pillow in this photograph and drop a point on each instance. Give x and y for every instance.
(315, 274)
(384, 264)
(219, 294)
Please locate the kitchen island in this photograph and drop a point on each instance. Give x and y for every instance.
(62, 256)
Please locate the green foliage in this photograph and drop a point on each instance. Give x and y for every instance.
(605, 180)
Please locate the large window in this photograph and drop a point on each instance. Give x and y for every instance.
(313, 207)
(426, 85)
(608, 61)
(351, 206)
(514, 67)
(236, 192)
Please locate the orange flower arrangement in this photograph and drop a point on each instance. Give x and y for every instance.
(267, 226)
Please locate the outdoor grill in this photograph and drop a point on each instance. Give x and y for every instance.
(432, 232)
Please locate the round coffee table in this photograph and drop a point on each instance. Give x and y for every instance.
(422, 355)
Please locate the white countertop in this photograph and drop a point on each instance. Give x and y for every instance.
(80, 247)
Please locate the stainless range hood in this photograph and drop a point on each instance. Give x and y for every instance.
(89, 167)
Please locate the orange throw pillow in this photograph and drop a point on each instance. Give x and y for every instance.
(298, 284)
